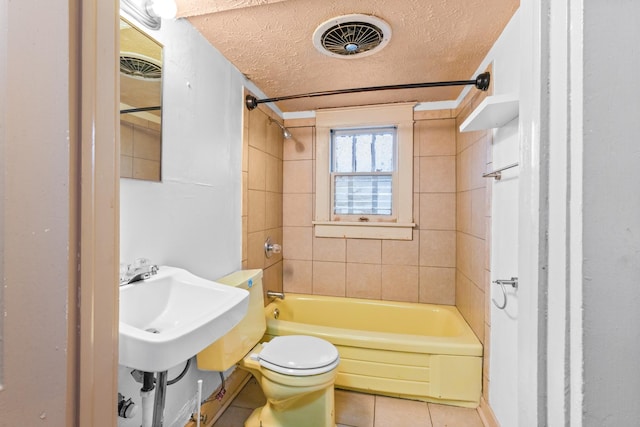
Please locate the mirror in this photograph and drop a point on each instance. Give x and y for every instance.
(140, 104)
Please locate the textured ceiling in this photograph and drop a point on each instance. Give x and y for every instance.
(270, 41)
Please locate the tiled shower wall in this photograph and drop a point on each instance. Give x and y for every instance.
(473, 226)
(262, 194)
(447, 262)
(421, 270)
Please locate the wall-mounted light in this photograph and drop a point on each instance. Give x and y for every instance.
(150, 12)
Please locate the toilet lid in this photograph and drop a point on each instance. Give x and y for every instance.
(299, 355)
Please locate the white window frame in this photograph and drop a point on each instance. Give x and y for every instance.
(399, 115)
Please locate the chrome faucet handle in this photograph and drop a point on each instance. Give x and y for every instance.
(271, 248)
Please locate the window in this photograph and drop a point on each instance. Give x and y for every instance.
(364, 172)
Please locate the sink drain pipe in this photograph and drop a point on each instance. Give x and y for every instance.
(153, 399)
(147, 392)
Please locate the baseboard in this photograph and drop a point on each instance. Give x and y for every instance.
(213, 408)
(486, 414)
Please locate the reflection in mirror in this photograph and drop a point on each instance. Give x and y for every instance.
(140, 104)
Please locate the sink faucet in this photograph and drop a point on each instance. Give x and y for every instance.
(137, 273)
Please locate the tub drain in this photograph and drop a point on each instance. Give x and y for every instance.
(153, 330)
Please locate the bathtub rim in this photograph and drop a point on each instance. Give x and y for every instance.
(464, 344)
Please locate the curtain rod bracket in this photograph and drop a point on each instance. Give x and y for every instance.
(481, 82)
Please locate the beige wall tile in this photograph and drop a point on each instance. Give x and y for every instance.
(126, 139)
(146, 169)
(126, 166)
(273, 175)
(245, 151)
(256, 210)
(478, 163)
(364, 281)
(463, 301)
(354, 409)
(329, 278)
(273, 213)
(300, 146)
(477, 261)
(367, 251)
(400, 283)
(463, 211)
(487, 244)
(257, 169)
(245, 193)
(437, 248)
(416, 174)
(297, 210)
(463, 170)
(437, 285)
(391, 412)
(400, 252)
(438, 174)
(146, 144)
(416, 208)
(297, 276)
(463, 253)
(329, 249)
(437, 137)
(274, 140)
(255, 250)
(258, 130)
(297, 176)
(438, 211)
(297, 243)
(478, 212)
(272, 279)
(244, 238)
(476, 318)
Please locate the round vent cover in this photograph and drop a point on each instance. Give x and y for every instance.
(139, 67)
(352, 36)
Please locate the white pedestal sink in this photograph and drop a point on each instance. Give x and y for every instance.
(170, 317)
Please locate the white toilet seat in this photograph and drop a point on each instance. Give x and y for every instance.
(298, 355)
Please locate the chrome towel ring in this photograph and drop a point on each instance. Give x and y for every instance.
(513, 282)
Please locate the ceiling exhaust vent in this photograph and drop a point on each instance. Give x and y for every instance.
(352, 36)
(138, 66)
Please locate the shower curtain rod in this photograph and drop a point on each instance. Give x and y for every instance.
(140, 109)
(481, 82)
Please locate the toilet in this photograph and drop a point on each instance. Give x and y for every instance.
(296, 372)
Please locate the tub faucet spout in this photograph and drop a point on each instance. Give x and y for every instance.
(274, 294)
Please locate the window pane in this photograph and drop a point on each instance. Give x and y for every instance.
(384, 152)
(363, 150)
(343, 153)
(364, 153)
(362, 195)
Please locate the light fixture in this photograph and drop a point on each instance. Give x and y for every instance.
(285, 132)
(150, 12)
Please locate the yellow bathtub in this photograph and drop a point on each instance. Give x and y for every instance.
(415, 351)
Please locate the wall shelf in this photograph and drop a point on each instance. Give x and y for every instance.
(493, 112)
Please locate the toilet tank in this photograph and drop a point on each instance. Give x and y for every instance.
(232, 347)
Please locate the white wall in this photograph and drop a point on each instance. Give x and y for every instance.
(611, 218)
(503, 351)
(192, 219)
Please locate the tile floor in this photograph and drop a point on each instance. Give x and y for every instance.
(362, 410)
